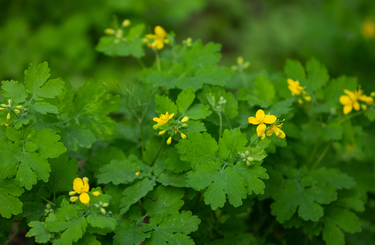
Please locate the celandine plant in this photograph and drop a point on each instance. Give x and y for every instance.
(192, 152)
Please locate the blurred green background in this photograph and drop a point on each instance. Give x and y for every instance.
(339, 33)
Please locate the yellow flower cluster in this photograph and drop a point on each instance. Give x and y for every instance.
(118, 33)
(350, 100)
(261, 119)
(81, 187)
(298, 90)
(159, 38)
(163, 119)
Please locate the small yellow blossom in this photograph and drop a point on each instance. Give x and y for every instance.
(109, 31)
(8, 116)
(126, 23)
(260, 119)
(137, 173)
(158, 37)
(368, 99)
(162, 132)
(73, 199)
(349, 101)
(185, 119)
(162, 120)
(169, 140)
(294, 87)
(81, 187)
(96, 193)
(368, 29)
(275, 129)
(183, 136)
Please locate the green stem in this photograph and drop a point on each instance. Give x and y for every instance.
(314, 151)
(157, 154)
(44, 199)
(140, 62)
(230, 126)
(253, 141)
(157, 59)
(321, 155)
(221, 126)
(243, 78)
(351, 116)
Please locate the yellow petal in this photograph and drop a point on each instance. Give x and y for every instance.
(86, 186)
(351, 94)
(260, 129)
(151, 36)
(253, 120)
(356, 106)
(344, 100)
(158, 44)
(170, 115)
(78, 185)
(270, 119)
(84, 198)
(260, 115)
(156, 119)
(347, 109)
(159, 31)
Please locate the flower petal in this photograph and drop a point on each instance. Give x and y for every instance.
(253, 120)
(260, 115)
(86, 186)
(350, 93)
(356, 105)
(270, 119)
(260, 129)
(156, 119)
(78, 185)
(159, 31)
(151, 36)
(280, 133)
(84, 198)
(347, 108)
(170, 116)
(345, 100)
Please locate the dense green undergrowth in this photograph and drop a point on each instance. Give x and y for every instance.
(190, 152)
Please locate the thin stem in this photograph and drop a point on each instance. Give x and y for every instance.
(140, 62)
(157, 154)
(243, 78)
(226, 118)
(221, 126)
(321, 156)
(44, 199)
(253, 141)
(157, 59)
(314, 151)
(351, 116)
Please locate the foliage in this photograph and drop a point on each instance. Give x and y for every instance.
(178, 158)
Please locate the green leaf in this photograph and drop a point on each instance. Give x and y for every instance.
(219, 183)
(173, 229)
(253, 176)
(14, 90)
(198, 111)
(135, 192)
(281, 108)
(76, 136)
(198, 149)
(199, 55)
(44, 108)
(232, 143)
(370, 114)
(335, 220)
(101, 221)
(164, 104)
(118, 171)
(72, 230)
(184, 99)
(295, 195)
(51, 89)
(48, 145)
(172, 179)
(194, 126)
(173, 162)
(88, 239)
(38, 229)
(36, 76)
(10, 204)
(130, 44)
(63, 172)
(102, 157)
(264, 91)
(164, 200)
(317, 75)
(127, 233)
(332, 132)
(295, 70)
(331, 176)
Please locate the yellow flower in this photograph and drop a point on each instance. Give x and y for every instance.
(349, 101)
(294, 87)
(81, 187)
(368, 29)
(369, 100)
(162, 120)
(158, 37)
(275, 129)
(260, 119)
(137, 173)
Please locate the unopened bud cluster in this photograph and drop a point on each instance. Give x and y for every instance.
(241, 65)
(188, 41)
(118, 33)
(101, 206)
(14, 109)
(48, 209)
(220, 105)
(246, 157)
(176, 129)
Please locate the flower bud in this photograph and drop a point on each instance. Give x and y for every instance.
(300, 101)
(48, 205)
(3, 105)
(96, 193)
(96, 205)
(184, 125)
(364, 107)
(19, 107)
(71, 193)
(239, 60)
(17, 111)
(119, 33)
(109, 31)
(103, 211)
(73, 199)
(185, 119)
(162, 132)
(183, 136)
(137, 173)
(126, 23)
(233, 68)
(1, 108)
(10, 102)
(155, 126)
(250, 159)
(105, 204)
(116, 41)
(246, 64)
(8, 116)
(46, 211)
(169, 140)
(372, 94)
(308, 98)
(263, 136)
